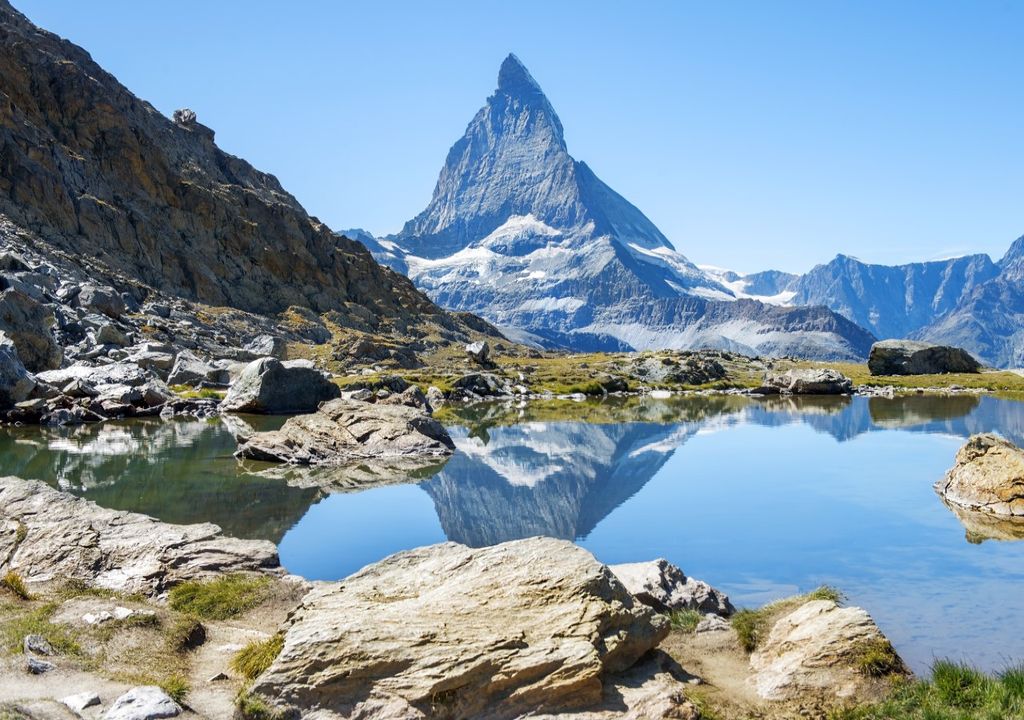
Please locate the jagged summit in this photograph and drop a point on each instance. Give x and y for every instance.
(515, 79)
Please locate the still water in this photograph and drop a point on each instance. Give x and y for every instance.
(761, 498)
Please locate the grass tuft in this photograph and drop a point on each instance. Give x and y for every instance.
(221, 598)
(36, 621)
(751, 627)
(13, 582)
(252, 661)
(684, 620)
(877, 658)
(826, 592)
(252, 707)
(176, 686)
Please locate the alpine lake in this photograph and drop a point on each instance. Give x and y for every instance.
(762, 498)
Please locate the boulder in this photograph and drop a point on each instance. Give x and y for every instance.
(268, 346)
(105, 300)
(191, 370)
(480, 385)
(412, 397)
(664, 587)
(16, 383)
(35, 666)
(98, 376)
(988, 477)
(345, 430)
(48, 535)
(479, 352)
(111, 334)
(28, 325)
(814, 651)
(269, 386)
(80, 701)
(450, 631)
(907, 357)
(809, 382)
(147, 702)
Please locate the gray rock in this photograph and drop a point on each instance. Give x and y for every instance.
(155, 361)
(13, 262)
(36, 644)
(665, 587)
(268, 346)
(410, 397)
(712, 623)
(121, 373)
(908, 357)
(435, 397)
(479, 352)
(37, 667)
(103, 300)
(345, 430)
(495, 632)
(16, 383)
(28, 325)
(80, 701)
(481, 385)
(269, 386)
(809, 382)
(70, 538)
(79, 388)
(146, 702)
(110, 334)
(361, 395)
(191, 370)
(185, 116)
(161, 311)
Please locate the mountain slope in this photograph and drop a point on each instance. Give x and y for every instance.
(96, 172)
(523, 234)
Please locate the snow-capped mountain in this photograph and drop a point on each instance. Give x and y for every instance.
(520, 232)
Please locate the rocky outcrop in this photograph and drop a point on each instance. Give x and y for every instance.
(988, 477)
(47, 535)
(28, 324)
(269, 386)
(189, 369)
(479, 352)
(15, 381)
(344, 430)
(665, 587)
(446, 631)
(808, 382)
(819, 649)
(909, 357)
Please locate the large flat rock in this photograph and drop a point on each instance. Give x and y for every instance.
(449, 631)
(47, 535)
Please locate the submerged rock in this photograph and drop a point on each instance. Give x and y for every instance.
(270, 386)
(344, 430)
(988, 477)
(818, 649)
(49, 535)
(449, 631)
(665, 587)
(908, 357)
(809, 382)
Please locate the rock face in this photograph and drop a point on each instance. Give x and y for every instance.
(908, 357)
(447, 631)
(813, 651)
(146, 702)
(28, 324)
(15, 381)
(809, 382)
(49, 535)
(270, 386)
(345, 430)
(665, 587)
(530, 238)
(988, 477)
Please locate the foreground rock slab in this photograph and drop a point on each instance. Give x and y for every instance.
(146, 702)
(269, 386)
(665, 587)
(988, 477)
(809, 382)
(907, 357)
(530, 626)
(344, 430)
(814, 650)
(47, 535)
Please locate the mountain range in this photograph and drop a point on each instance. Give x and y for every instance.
(523, 234)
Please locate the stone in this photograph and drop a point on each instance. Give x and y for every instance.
(110, 334)
(907, 357)
(28, 325)
(812, 651)
(345, 430)
(269, 386)
(410, 397)
(78, 388)
(664, 587)
(191, 370)
(987, 477)
(361, 395)
(268, 346)
(479, 352)
(99, 376)
(184, 116)
(497, 632)
(80, 701)
(435, 397)
(480, 385)
(37, 667)
(70, 538)
(154, 361)
(16, 383)
(103, 300)
(37, 645)
(158, 309)
(810, 382)
(712, 623)
(146, 702)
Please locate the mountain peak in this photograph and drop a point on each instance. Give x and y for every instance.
(515, 79)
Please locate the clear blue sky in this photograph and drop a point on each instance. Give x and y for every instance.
(754, 134)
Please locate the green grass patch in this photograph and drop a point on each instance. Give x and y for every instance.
(877, 658)
(954, 692)
(753, 626)
(190, 393)
(13, 582)
(176, 686)
(684, 620)
(17, 622)
(251, 661)
(221, 598)
(251, 707)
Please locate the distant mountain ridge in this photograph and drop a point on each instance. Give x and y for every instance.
(523, 234)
